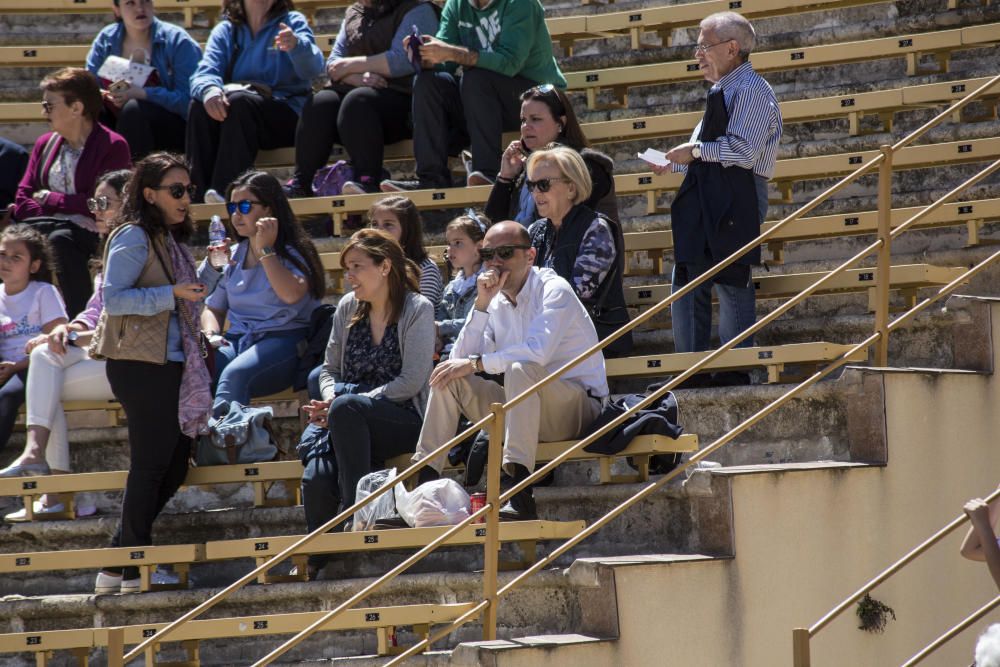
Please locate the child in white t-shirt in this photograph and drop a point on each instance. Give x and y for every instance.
(29, 305)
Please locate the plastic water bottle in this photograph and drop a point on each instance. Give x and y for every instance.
(218, 253)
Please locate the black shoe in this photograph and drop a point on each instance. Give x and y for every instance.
(521, 507)
(393, 185)
(391, 523)
(427, 474)
(294, 189)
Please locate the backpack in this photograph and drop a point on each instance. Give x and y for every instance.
(243, 435)
(329, 181)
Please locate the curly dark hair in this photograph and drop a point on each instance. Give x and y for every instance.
(149, 173)
(267, 189)
(38, 248)
(234, 11)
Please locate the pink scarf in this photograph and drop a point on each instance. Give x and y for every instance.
(195, 402)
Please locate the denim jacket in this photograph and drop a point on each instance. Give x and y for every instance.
(175, 56)
(452, 311)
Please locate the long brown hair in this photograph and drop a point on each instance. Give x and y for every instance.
(559, 106)
(149, 173)
(404, 276)
(267, 189)
(409, 219)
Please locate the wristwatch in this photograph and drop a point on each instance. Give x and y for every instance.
(266, 251)
(477, 362)
(72, 337)
(696, 151)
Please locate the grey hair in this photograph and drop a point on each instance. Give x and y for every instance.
(730, 25)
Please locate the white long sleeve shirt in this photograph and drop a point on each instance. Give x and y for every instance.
(548, 326)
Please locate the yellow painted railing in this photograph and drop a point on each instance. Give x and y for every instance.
(495, 499)
(802, 636)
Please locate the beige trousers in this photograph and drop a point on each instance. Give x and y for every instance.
(568, 410)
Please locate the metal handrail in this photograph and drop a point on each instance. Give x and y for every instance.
(705, 452)
(492, 506)
(953, 632)
(801, 636)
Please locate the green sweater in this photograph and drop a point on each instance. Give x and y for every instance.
(510, 36)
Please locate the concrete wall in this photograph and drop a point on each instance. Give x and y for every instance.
(808, 536)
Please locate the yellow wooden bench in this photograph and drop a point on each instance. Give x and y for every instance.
(640, 449)
(650, 185)
(773, 358)
(525, 533)
(913, 47)
(145, 558)
(905, 278)
(384, 620)
(261, 475)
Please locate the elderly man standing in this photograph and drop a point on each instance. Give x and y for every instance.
(526, 323)
(723, 198)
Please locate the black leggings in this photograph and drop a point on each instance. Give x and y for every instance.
(147, 127)
(363, 120)
(11, 400)
(158, 451)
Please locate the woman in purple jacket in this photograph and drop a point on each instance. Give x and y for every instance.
(63, 171)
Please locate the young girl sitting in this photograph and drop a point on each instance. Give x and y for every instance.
(464, 236)
(29, 305)
(60, 370)
(400, 218)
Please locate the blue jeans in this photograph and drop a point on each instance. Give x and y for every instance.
(692, 314)
(266, 367)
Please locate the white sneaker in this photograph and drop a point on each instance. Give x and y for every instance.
(21, 515)
(213, 197)
(107, 583)
(131, 586)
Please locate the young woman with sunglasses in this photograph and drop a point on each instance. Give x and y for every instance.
(149, 335)
(268, 292)
(547, 117)
(583, 246)
(60, 370)
(61, 175)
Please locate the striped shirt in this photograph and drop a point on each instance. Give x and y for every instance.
(431, 284)
(751, 139)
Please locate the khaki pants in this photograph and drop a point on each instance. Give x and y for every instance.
(568, 410)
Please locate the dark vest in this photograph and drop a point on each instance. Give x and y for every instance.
(369, 31)
(715, 211)
(607, 308)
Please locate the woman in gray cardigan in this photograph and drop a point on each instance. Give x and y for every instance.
(374, 379)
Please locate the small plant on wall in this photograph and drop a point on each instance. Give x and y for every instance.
(873, 614)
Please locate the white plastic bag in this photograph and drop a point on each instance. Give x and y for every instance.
(442, 502)
(383, 507)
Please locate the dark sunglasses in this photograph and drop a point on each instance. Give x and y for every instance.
(543, 89)
(542, 184)
(177, 190)
(47, 106)
(95, 204)
(243, 206)
(503, 252)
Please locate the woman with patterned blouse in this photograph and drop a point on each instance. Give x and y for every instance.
(374, 380)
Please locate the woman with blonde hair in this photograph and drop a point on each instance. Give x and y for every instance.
(583, 246)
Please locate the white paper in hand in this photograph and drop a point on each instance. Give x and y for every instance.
(654, 157)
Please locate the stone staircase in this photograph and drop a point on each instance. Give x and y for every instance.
(694, 562)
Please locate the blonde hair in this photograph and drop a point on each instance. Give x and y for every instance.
(571, 167)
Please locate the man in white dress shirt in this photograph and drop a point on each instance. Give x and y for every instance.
(526, 323)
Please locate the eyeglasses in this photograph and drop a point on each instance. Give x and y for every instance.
(47, 106)
(243, 206)
(503, 252)
(703, 48)
(543, 89)
(177, 190)
(102, 203)
(542, 184)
